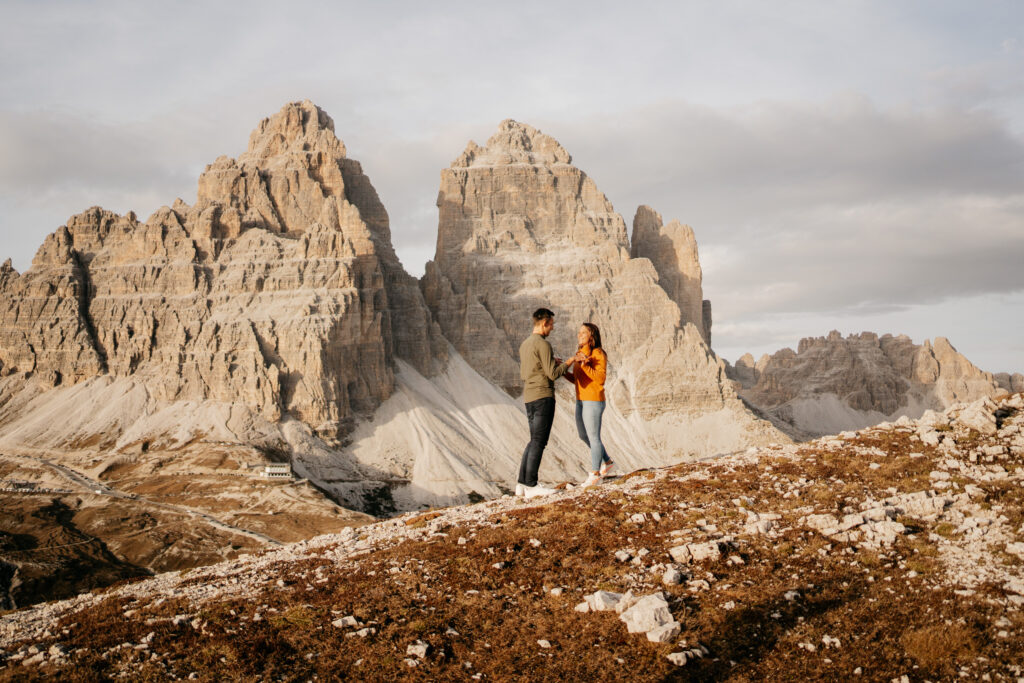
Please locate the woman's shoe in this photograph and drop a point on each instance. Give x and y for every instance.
(606, 468)
(520, 490)
(592, 480)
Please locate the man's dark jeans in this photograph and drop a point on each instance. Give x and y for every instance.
(540, 414)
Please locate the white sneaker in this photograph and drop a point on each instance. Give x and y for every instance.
(520, 490)
(592, 480)
(606, 468)
(537, 491)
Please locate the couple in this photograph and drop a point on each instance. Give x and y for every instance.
(539, 369)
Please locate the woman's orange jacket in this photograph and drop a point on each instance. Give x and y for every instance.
(589, 375)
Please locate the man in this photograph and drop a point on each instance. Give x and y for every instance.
(538, 369)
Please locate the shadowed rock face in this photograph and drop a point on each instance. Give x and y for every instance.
(519, 228)
(278, 289)
(877, 376)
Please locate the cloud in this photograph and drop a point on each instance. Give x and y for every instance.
(830, 207)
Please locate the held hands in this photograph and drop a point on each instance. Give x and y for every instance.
(578, 358)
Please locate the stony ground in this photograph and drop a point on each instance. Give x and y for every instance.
(891, 553)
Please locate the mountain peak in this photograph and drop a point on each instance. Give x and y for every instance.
(297, 127)
(514, 143)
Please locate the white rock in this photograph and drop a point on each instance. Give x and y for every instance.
(979, 416)
(603, 601)
(695, 552)
(544, 643)
(672, 577)
(677, 658)
(762, 526)
(625, 602)
(664, 633)
(1016, 549)
(681, 553)
(418, 649)
(649, 612)
(345, 622)
(363, 632)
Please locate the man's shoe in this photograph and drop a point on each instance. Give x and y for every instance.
(606, 468)
(537, 491)
(592, 480)
(520, 490)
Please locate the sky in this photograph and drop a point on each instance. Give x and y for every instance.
(851, 165)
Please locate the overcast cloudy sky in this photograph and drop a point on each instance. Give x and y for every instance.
(845, 165)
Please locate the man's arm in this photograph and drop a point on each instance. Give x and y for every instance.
(548, 366)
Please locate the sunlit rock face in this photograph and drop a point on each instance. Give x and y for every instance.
(520, 227)
(834, 383)
(278, 289)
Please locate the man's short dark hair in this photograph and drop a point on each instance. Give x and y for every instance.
(542, 314)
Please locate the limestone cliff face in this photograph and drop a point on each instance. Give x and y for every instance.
(520, 227)
(862, 378)
(1013, 383)
(672, 249)
(278, 288)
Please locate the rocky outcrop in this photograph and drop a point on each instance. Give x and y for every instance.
(278, 289)
(834, 383)
(672, 249)
(520, 227)
(1013, 383)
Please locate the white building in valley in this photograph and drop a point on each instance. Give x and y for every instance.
(277, 470)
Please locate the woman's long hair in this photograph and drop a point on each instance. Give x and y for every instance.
(595, 335)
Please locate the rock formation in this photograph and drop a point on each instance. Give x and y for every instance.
(520, 227)
(834, 383)
(672, 249)
(273, 313)
(1013, 383)
(278, 289)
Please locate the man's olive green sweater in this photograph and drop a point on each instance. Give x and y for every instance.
(538, 369)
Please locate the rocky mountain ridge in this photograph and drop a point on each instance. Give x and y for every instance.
(273, 313)
(834, 383)
(272, 291)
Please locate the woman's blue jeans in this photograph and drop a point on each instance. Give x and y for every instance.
(588, 424)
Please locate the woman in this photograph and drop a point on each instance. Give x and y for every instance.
(589, 369)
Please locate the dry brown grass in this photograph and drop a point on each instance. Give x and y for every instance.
(933, 647)
(889, 623)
